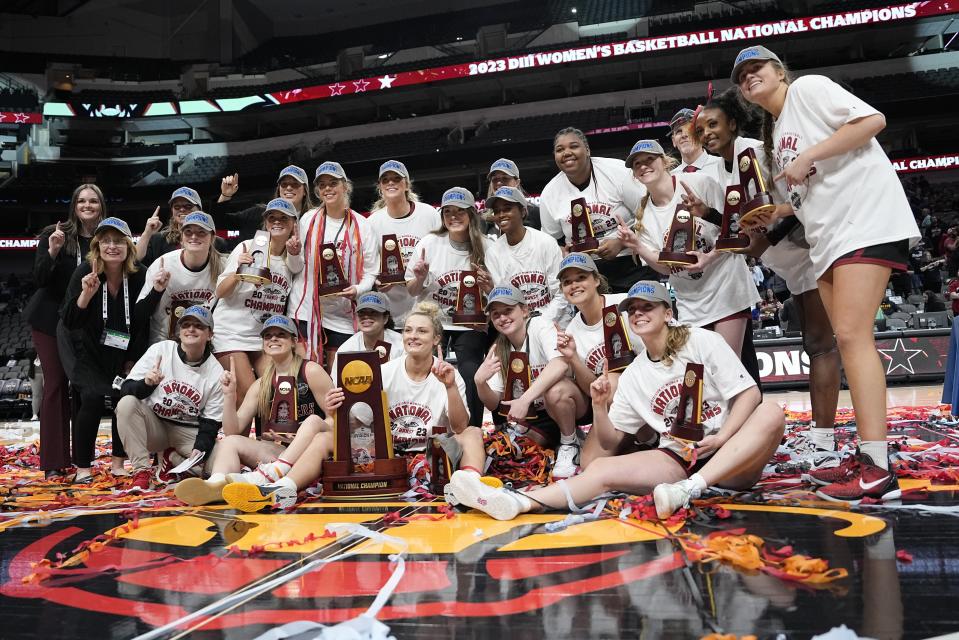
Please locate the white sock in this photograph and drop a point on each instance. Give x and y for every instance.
(823, 437)
(286, 482)
(472, 471)
(698, 484)
(877, 450)
(525, 503)
(570, 439)
(216, 478)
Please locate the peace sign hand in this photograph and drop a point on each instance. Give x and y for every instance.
(155, 375)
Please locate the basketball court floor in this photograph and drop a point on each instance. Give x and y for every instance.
(774, 563)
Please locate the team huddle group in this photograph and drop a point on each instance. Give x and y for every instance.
(187, 348)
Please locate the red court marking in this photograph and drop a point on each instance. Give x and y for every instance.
(207, 574)
(347, 579)
(520, 568)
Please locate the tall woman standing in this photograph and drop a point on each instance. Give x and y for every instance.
(858, 225)
(61, 248)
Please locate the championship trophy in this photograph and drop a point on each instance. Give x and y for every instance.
(257, 273)
(392, 269)
(469, 304)
(332, 279)
(730, 240)
(619, 352)
(440, 468)
(283, 411)
(582, 236)
(755, 199)
(177, 307)
(363, 465)
(688, 425)
(382, 349)
(680, 239)
(518, 381)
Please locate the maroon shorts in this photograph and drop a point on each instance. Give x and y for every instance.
(894, 255)
(689, 470)
(745, 314)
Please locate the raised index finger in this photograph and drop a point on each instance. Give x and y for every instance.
(232, 366)
(161, 262)
(159, 361)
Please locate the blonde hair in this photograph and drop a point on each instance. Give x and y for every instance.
(670, 163)
(265, 399)
(96, 263)
(477, 253)
(346, 182)
(408, 193)
(431, 311)
(768, 120)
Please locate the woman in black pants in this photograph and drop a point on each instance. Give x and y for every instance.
(109, 333)
(60, 249)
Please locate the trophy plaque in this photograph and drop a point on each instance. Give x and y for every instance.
(582, 236)
(440, 469)
(392, 269)
(730, 239)
(283, 410)
(257, 273)
(756, 200)
(518, 381)
(469, 304)
(680, 239)
(177, 307)
(688, 424)
(382, 349)
(619, 351)
(363, 464)
(332, 279)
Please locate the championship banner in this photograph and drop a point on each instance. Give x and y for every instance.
(17, 117)
(707, 37)
(906, 355)
(919, 164)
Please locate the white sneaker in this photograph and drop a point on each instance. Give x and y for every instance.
(264, 474)
(466, 488)
(669, 498)
(567, 461)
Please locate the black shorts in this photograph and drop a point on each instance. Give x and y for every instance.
(333, 340)
(622, 272)
(894, 255)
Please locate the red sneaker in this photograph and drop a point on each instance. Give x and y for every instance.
(841, 472)
(869, 481)
(168, 460)
(141, 480)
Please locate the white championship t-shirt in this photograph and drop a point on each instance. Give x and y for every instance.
(612, 191)
(239, 317)
(591, 340)
(442, 283)
(186, 393)
(851, 201)
(540, 346)
(531, 266)
(789, 258)
(184, 289)
(409, 231)
(726, 286)
(648, 392)
(415, 407)
(337, 311)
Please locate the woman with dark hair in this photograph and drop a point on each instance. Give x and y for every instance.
(821, 141)
(60, 250)
(610, 192)
(741, 431)
(328, 321)
(110, 333)
(291, 185)
(721, 127)
(434, 274)
(505, 173)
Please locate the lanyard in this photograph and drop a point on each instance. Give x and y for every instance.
(126, 303)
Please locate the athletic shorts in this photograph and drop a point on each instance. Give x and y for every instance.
(894, 255)
(687, 468)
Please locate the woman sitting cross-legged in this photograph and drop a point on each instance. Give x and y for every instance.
(267, 455)
(423, 392)
(741, 431)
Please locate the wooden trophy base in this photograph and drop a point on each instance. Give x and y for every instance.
(675, 259)
(620, 363)
(588, 245)
(688, 432)
(760, 205)
(469, 319)
(389, 478)
(256, 276)
(440, 469)
(395, 278)
(326, 290)
(733, 244)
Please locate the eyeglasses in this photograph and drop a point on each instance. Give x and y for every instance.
(112, 242)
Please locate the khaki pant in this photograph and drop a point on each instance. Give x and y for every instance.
(143, 433)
